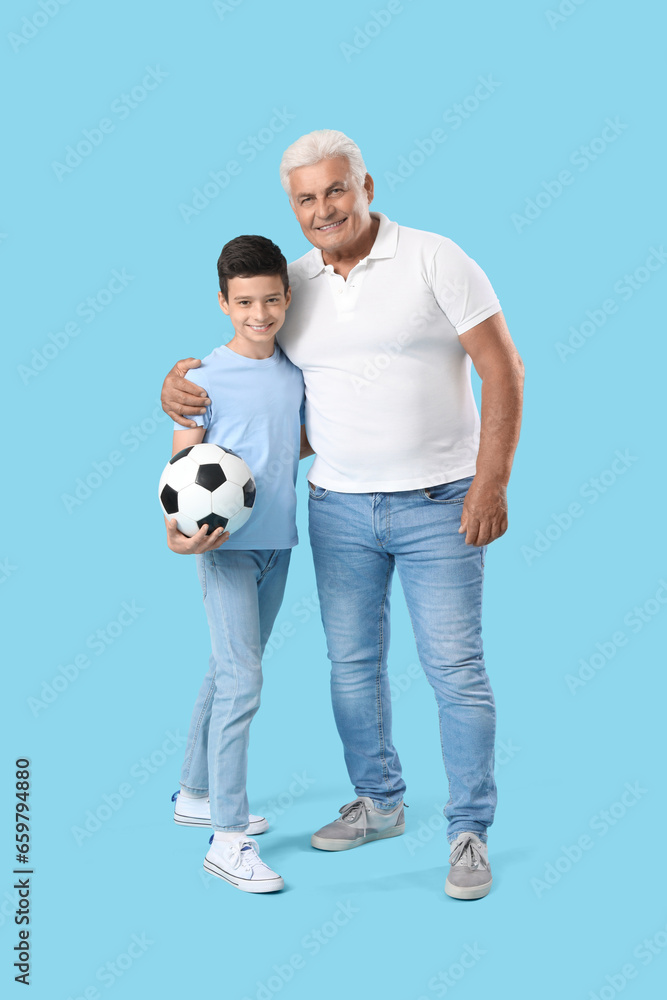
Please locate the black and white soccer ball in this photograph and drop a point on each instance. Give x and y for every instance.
(207, 484)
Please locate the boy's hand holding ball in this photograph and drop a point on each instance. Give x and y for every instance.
(201, 542)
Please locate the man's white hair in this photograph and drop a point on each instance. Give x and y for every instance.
(323, 144)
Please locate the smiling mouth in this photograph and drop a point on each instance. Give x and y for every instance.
(332, 225)
(260, 329)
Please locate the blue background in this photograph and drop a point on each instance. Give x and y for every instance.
(553, 591)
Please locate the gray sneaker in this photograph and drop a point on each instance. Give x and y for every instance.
(359, 823)
(470, 875)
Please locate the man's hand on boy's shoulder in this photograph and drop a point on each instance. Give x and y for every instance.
(179, 397)
(201, 542)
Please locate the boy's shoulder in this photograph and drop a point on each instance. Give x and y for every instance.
(211, 364)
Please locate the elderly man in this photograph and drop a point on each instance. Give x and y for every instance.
(385, 323)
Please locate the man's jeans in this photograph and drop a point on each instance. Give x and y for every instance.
(357, 539)
(243, 591)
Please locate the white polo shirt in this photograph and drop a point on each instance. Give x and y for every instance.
(389, 401)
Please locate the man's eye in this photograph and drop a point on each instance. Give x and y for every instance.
(304, 200)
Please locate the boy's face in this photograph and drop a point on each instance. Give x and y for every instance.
(256, 306)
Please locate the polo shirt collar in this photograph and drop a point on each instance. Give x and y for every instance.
(386, 241)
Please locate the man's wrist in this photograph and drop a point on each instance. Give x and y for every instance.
(498, 480)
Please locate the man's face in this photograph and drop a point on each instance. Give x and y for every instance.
(331, 206)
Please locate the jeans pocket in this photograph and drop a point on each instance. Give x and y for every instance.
(454, 492)
(316, 492)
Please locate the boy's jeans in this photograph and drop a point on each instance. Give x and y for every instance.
(357, 539)
(243, 590)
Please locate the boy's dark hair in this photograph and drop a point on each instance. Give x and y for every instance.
(247, 257)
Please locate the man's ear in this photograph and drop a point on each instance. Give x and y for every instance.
(223, 303)
(369, 187)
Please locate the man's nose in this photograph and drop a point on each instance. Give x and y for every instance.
(324, 210)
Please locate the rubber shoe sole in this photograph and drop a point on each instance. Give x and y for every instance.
(245, 884)
(252, 830)
(324, 844)
(467, 891)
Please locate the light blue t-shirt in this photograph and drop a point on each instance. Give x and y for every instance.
(256, 411)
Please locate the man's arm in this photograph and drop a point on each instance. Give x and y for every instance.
(497, 362)
(201, 542)
(181, 398)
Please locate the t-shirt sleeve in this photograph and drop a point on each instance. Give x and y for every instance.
(461, 288)
(201, 419)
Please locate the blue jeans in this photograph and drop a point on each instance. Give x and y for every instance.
(357, 540)
(243, 591)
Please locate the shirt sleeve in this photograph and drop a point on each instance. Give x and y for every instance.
(461, 288)
(201, 419)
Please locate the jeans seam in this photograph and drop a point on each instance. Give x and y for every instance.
(378, 682)
(232, 660)
(188, 761)
(209, 695)
(270, 564)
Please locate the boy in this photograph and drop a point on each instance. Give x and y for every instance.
(257, 399)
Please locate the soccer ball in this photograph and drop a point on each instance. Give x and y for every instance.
(207, 484)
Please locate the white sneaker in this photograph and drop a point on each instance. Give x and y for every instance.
(197, 812)
(238, 862)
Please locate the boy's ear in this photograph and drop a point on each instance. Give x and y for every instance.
(288, 297)
(223, 303)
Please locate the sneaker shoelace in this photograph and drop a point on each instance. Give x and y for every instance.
(351, 812)
(467, 854)
(244, 854)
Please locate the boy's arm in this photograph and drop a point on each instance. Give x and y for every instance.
(201, 542)
(306, 449)
(185, 439)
